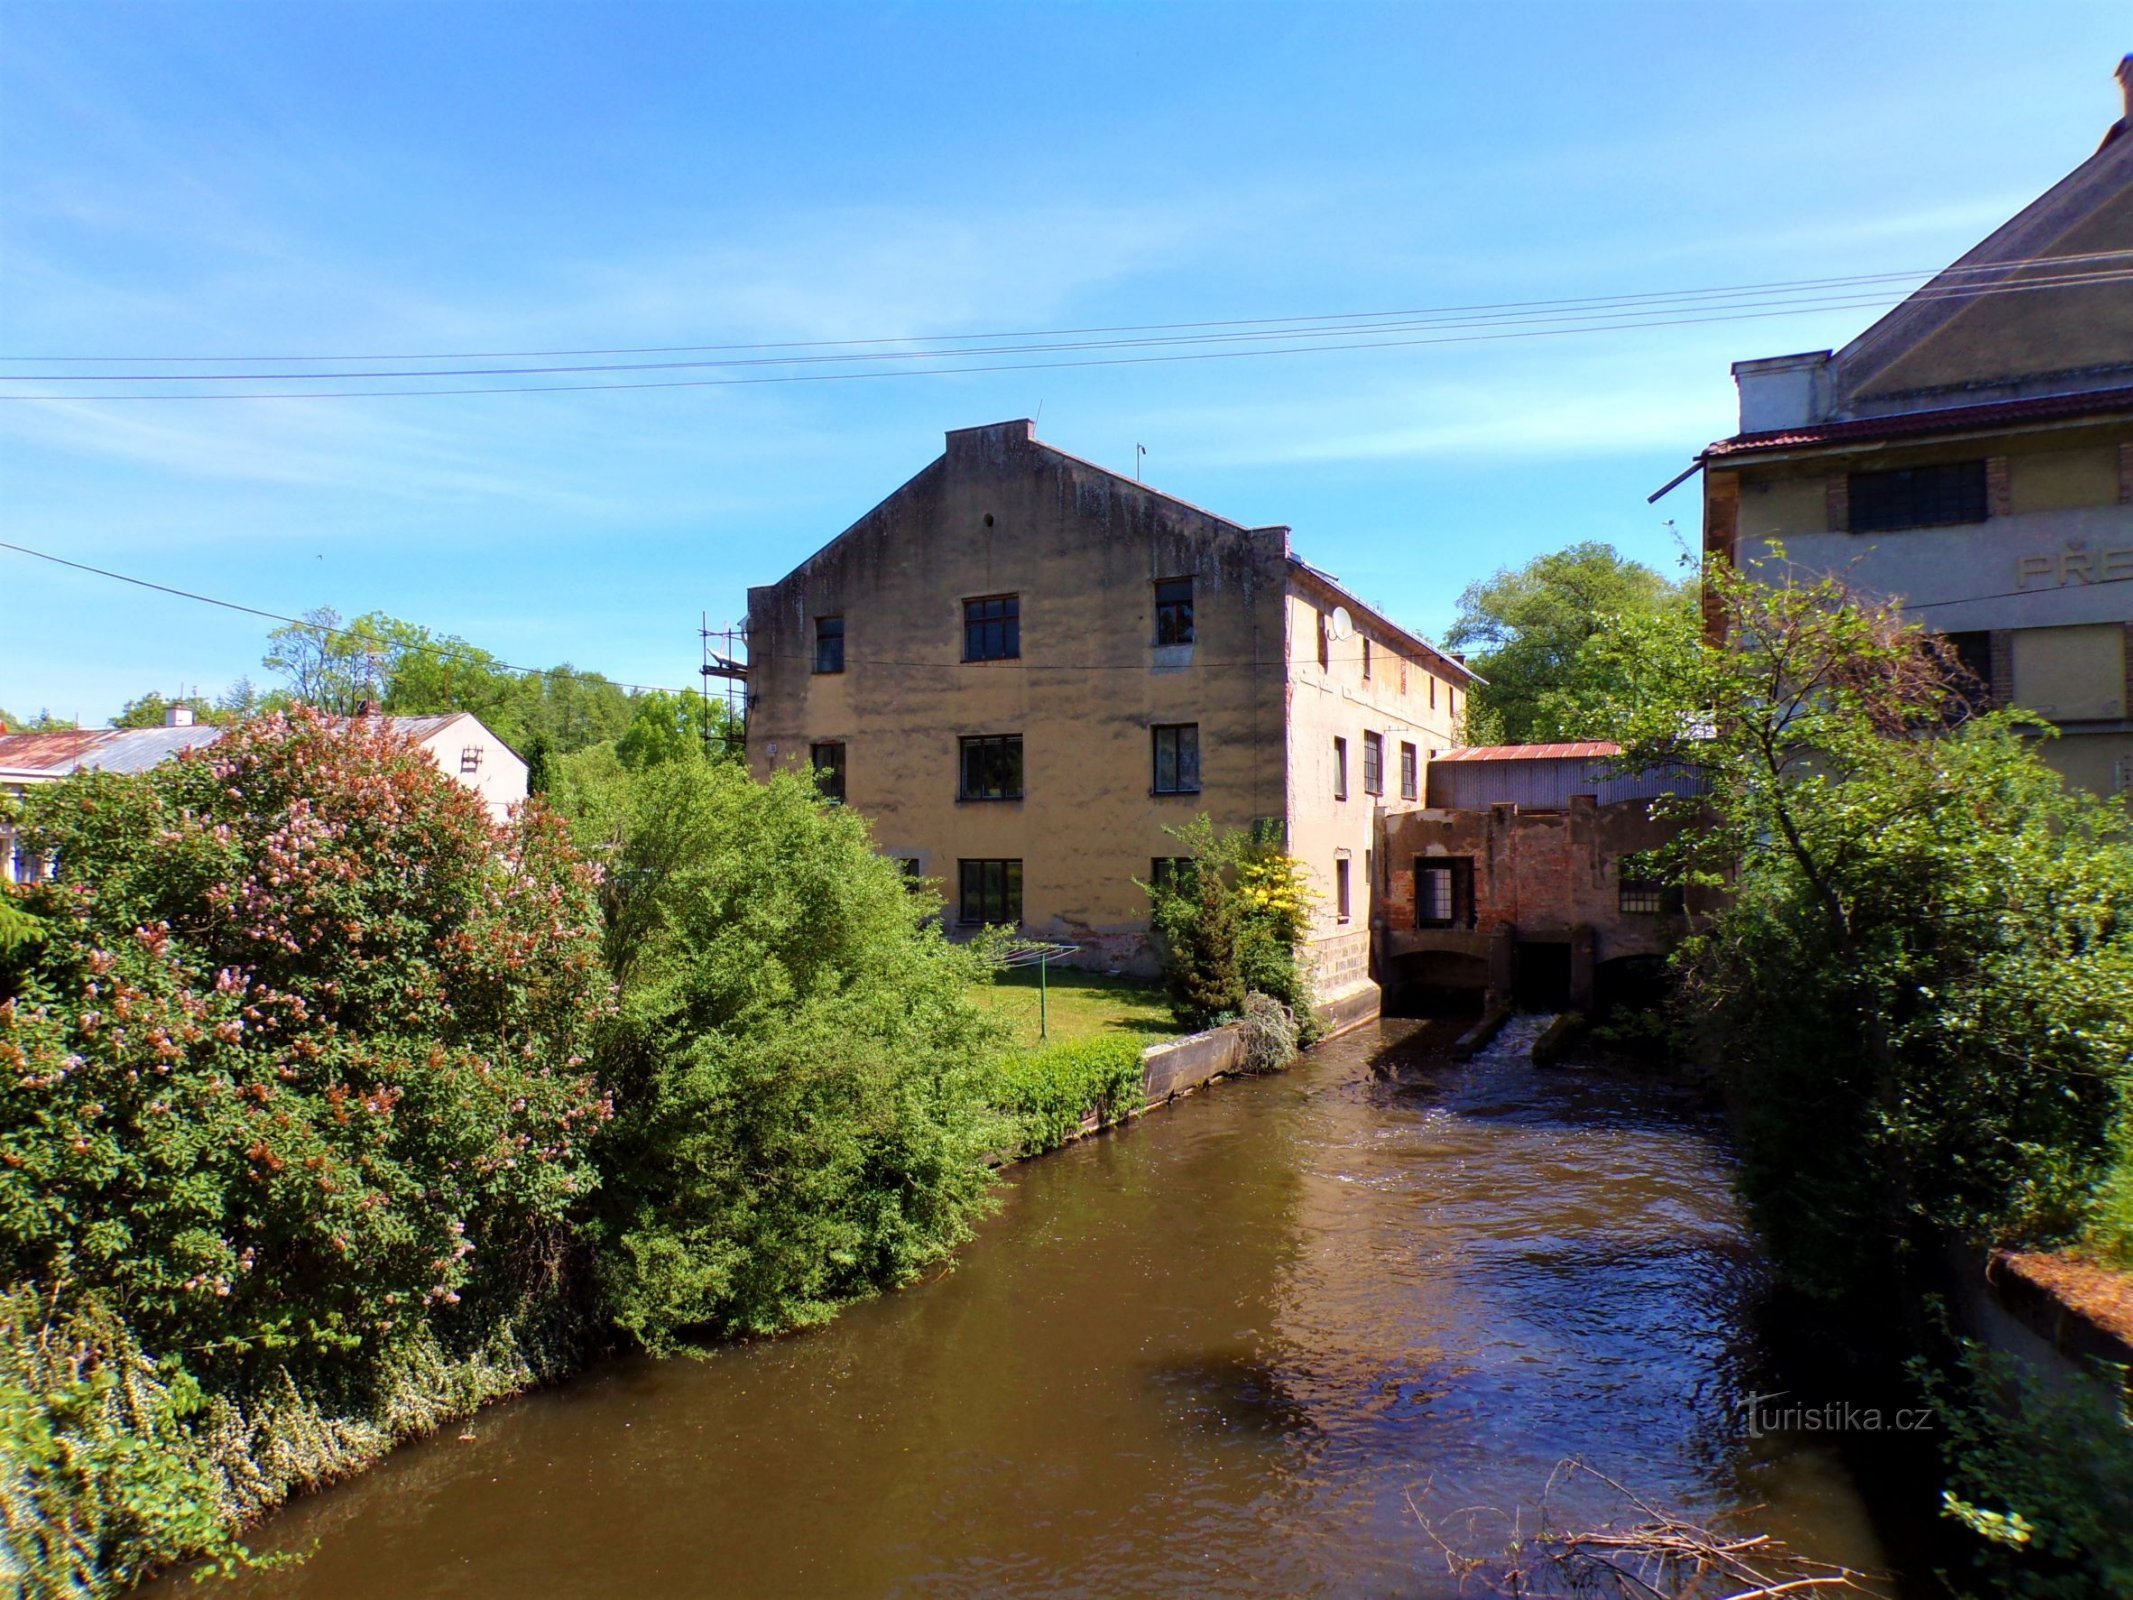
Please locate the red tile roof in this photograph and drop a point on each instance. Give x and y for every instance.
(1954, 419)
(1582, 750)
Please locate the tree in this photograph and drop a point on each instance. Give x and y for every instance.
(1527, 629)
(1920, 987)
(672, 726)
(330, 667)
(1228, 925)
(150, 709)
(800, 1081)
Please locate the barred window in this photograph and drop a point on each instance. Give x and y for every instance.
(1177, 758)
(829, 644)
(1173, 611)
(991, 768)
(1373, 763)
(992, 628)
(1933, 496)
(991, 892)
(828, 763)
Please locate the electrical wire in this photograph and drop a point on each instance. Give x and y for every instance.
(1612, 320)
(440, 646)
(1456, 311)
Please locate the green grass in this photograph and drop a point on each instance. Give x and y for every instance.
(1083, 1005)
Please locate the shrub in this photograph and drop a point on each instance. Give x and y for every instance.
(1270, 1034)
(298, 1065)
(1230, 924)
(800, 1080)
(1049, 1093)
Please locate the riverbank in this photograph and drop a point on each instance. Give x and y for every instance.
(1213, 1354)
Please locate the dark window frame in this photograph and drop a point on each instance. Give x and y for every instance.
(1340, 768)
(1938, 494)
(992, 627)
(1173, 611)
(1343, 897)
(1366, 658)
(829, 644)
(1458, 874)
(995, 770)
(1171, 872)
(1003, 893)
(1374, 763)
(827, 756)
(1410, 771)
(1178, 783)
(1637, 896)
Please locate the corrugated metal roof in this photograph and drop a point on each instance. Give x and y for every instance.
(423, 727)
(59, 752)
(1582, 750)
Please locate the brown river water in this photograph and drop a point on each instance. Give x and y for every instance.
(1228, 1350)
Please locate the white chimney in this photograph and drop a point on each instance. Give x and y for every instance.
(2125, 83)
(177, 716)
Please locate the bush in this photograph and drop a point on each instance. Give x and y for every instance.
(299, 1065)
(1270, 1034)
(800, 1080)
(1049, 1093)
(1229, 925)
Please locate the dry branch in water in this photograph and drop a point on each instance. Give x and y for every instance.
(1654, 1555)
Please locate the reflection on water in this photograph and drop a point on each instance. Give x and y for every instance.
(1221, 1352)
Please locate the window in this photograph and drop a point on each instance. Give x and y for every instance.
(1917, 497)
(1433, 692)
(1177, 758)
(828, 762)
(909, 867)
(829, 644)
(1373, 763)
(1973, 653)
(1444, 891)
(991, 891)
(1340, 888)
(992, 768)
(1410, 773)
(1325, 650)
(1340, 769)
(470, 758)
(1173, 611)
(1366, 660)
(1170, 872)
(992, 628)
(1636, 895)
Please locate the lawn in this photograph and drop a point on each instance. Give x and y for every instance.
(1083, 1005)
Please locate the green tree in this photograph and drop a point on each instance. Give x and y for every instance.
(672, 726)
(1525, 631)
(1228, 925)
(148, 711)
(328, 666)
(1920, 987)
(800, 1081)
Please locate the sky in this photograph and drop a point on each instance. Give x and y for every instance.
(181, 184)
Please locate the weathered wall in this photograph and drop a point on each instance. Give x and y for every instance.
(1408, 698)
(1538, 877)
(1000, 513)
(2049, 572)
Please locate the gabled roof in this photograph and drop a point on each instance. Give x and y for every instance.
(56, 752)
(1448, 664)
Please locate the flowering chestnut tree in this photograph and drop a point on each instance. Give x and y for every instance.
(301, 1061)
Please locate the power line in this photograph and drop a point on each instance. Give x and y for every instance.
(442, 647)
(1852, 280)
(1584, 320)
(1013, 366)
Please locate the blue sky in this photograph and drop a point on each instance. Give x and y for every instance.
(198, 180)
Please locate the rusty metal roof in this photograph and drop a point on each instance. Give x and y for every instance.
(1909, 424)
(1582, 750)
(57, 752)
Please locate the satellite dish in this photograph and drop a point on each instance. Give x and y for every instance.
(1343, 625)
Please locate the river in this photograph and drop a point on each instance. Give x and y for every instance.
(1229, 1350)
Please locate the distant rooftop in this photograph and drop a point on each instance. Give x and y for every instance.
(1582, 750)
